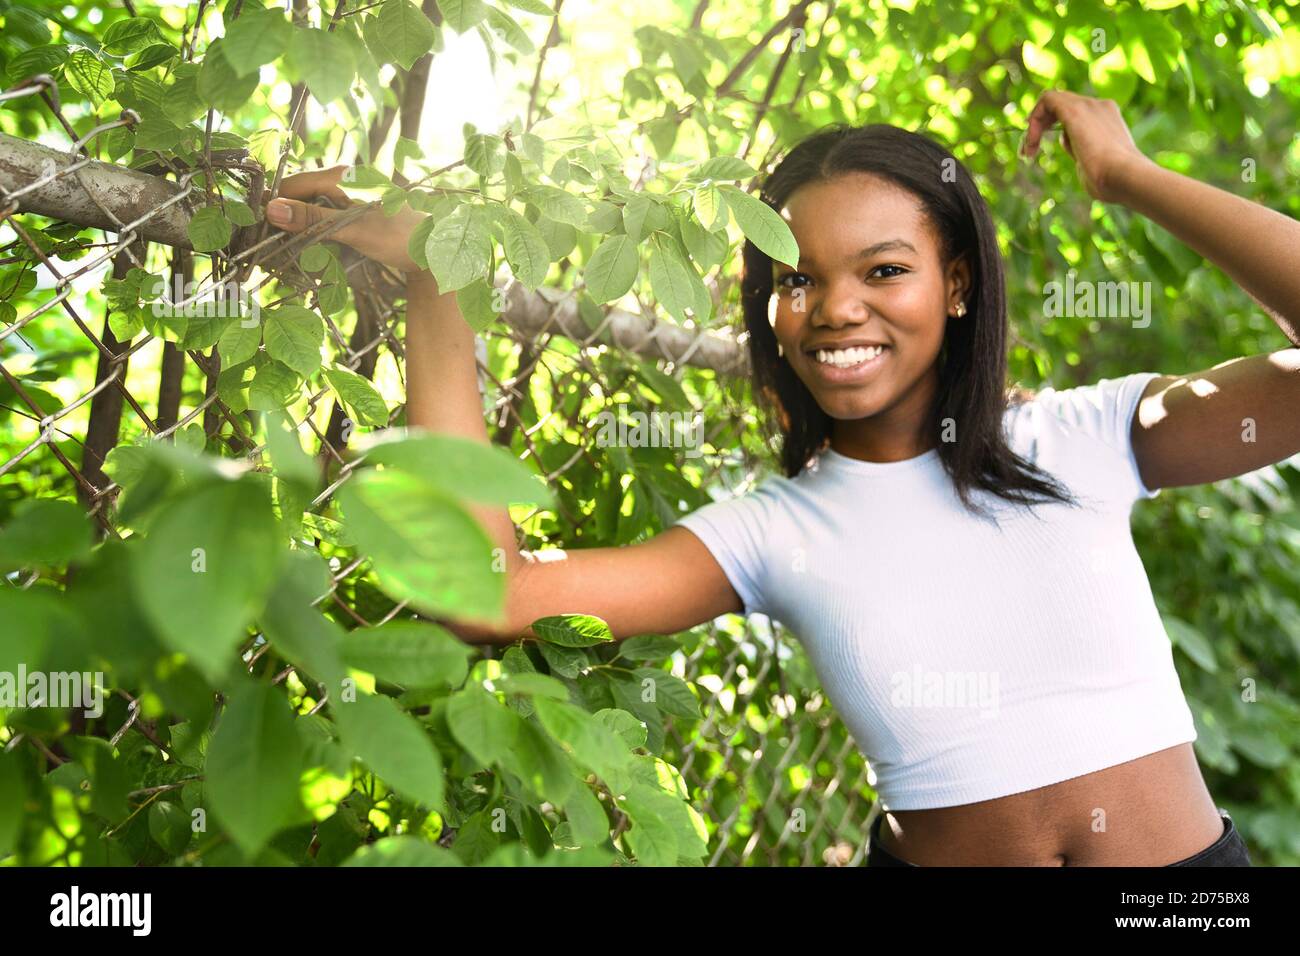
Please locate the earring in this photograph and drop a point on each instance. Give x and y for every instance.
(780, 349)
(961, 309)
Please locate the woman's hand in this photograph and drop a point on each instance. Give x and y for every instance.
(375, 235)
(1095, 134)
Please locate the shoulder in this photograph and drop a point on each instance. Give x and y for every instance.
(1084, 428)
(1103, 409)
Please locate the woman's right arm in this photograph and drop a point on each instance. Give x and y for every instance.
(666, 584)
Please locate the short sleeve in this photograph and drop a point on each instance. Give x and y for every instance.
(1105, 410)
(735, 531)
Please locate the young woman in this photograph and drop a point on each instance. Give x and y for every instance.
(959, 567)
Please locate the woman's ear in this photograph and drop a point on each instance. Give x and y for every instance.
(958, 286)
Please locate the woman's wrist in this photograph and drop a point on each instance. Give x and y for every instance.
(421, 280)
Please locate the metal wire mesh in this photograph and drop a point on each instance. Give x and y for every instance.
(770, 767)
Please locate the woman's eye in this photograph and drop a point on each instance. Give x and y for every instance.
(900, 269)
(787, 281)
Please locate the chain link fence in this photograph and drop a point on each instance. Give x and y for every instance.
(770, 767)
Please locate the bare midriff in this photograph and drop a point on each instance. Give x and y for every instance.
(1151, 811)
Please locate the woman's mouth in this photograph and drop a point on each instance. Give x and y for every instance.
(848, 366)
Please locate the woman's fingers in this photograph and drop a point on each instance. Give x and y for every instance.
(292, 215)
(1046, 113)
(316, 182)
(313, 183)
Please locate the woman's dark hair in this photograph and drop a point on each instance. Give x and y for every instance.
(973, 358)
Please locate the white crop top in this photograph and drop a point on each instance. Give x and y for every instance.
(970, 661)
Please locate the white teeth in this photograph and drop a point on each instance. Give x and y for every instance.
(846, 358)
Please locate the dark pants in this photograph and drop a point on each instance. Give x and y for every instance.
(1228, 850)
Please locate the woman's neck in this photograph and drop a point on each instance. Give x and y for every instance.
(895, 434)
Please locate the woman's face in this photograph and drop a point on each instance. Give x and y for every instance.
(870, 277)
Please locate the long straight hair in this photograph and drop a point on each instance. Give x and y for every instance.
(972, 361)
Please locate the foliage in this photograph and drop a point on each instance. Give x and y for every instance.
(268, 618)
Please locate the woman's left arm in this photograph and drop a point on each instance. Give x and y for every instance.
(1244, 413)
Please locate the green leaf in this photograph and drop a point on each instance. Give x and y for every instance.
(287, 456)
(87, 75)
(644, 803)
(217, 83)
(593, 744)
(722, 168)
(461, 467)
(239, 343)
(557, 204)
(409, 653)
(707, 248)
(610, 272)
(483, 725)
(403, 851)
(648, 647)
(560, 237)
(762, 226)
(671, 693)
(209, 557)
(133, 33)
(296, 628)
(588, 822)
(565, 661)
(321, 60)
(126, 325)
(253, 765)
(462, 15)
(359, 395)
(484, 153)
(182, 102)
(667, 387)
(425, 547)
(526, 250)
(673, 280)
(508, 29)
(710, 208)
(404, 31)
(572, 630)
(240, 213)
(109, 777)
(643, 215)
(25, 24)
(477, 302)
(44, 533)
(258, 37)
(1192, 643)
(153, 55)
(160, 135)
(41, 59)
(626, 725)
(209, 229)
(532, 6)
(169, 825)
(392, 744)
(274, 386)
(12, 801)
(459, 247)
(294, 335)
(531, 684)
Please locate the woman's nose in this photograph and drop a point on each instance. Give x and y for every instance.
(842, 305)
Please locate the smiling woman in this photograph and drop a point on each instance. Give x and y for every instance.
(930, 522)
(882, 356)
